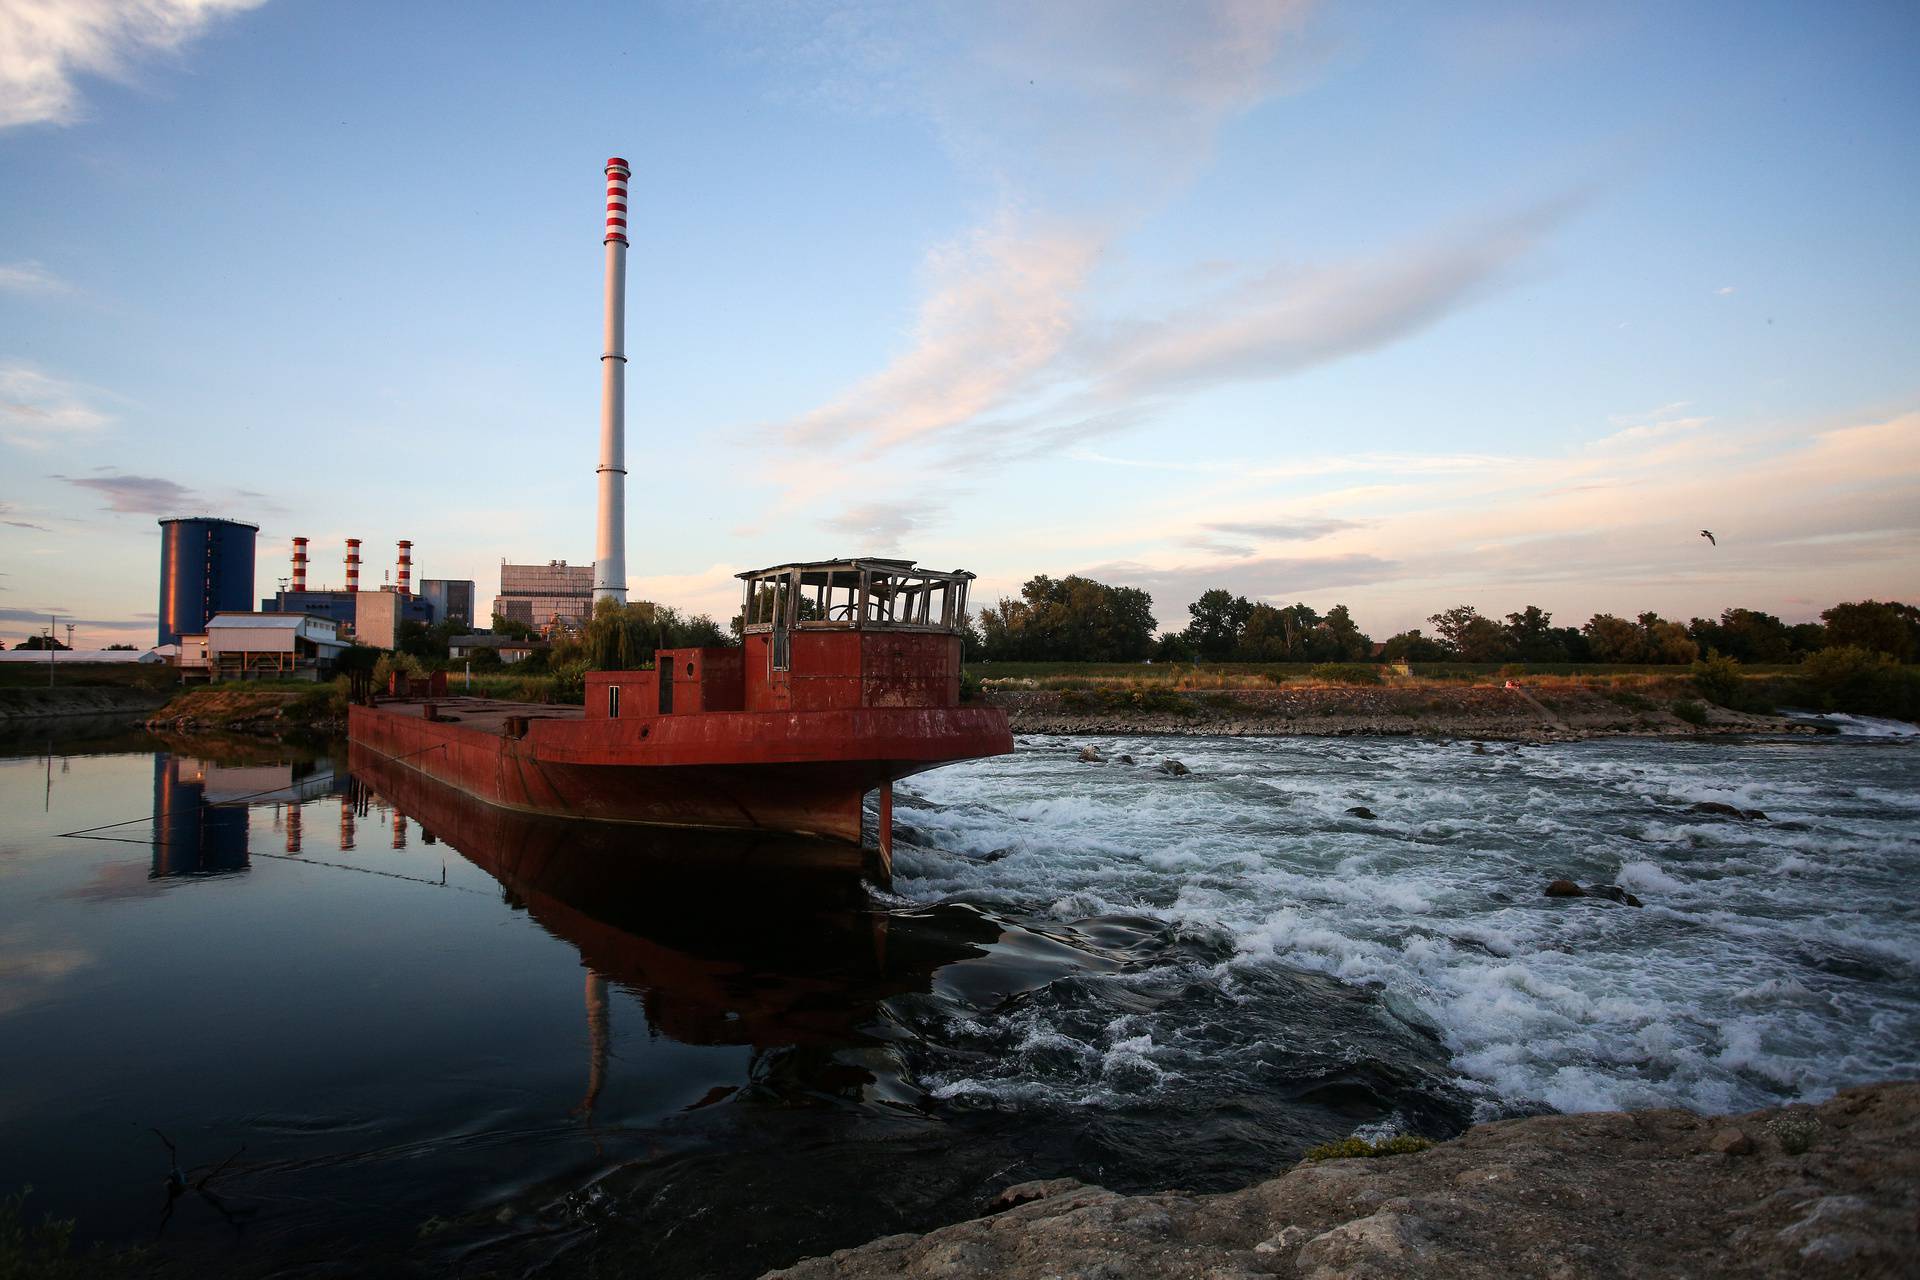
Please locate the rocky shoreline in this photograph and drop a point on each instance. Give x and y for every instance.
(1827, 1190)
(1485, 712)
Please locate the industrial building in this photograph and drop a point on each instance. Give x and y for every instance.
(540, 594)
(252, 646)
(372, 617)
(451, 599)
(344, 607)
(206, 567)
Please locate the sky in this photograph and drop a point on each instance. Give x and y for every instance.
(1401, 306)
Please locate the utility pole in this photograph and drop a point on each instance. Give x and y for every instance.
(53, 620)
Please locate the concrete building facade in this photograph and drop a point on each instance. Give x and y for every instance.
(452, 599)
(537, 594)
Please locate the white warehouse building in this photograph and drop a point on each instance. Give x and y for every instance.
(286, 646)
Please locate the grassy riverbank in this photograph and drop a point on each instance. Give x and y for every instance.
(1548, 707)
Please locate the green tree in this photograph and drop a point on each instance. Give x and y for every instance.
(1890, 628)
(512, 628)
(1411, 646)
(1264, 636)
(1853, 678)
(1071, 619)
(1614, 639)
(1219, 617)
(1667, 641)
(623, 637)
(1468, 637)
(1532, 637)
(1347, 641)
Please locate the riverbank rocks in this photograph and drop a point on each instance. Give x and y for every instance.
(1726, 810)
(1611, 892)
(1605, 1194)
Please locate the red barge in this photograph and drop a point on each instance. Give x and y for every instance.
(846, 679)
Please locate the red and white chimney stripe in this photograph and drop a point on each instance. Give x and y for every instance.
(617, 174)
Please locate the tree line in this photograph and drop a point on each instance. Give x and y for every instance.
(1076, 619)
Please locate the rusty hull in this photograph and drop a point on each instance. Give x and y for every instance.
(710, 737)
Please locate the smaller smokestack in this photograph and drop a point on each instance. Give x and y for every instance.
(353, 564)
(299, 564)
(403, 573)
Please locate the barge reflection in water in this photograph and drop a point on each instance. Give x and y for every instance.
(457, 1039)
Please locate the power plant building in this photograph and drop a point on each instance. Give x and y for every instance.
(206, 567)
(537, 594)
(344, 607)
(372, 617)
(451, 598)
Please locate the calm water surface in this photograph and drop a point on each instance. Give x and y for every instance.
(394, 1030)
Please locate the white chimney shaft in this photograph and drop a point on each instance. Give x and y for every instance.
(610, 546)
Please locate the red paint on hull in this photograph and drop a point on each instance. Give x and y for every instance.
(797, 771)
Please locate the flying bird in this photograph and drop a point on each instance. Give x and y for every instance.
(1708, 535)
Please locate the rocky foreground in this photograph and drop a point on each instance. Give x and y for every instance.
(1832, 1190)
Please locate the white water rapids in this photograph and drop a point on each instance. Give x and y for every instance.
(1775, 958)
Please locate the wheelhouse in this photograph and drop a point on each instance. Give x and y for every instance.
(854, 595)
(822, 635)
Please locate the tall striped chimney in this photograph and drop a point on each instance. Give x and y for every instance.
(353, 564)
(299, 564)
(610, 544)
(403, 572)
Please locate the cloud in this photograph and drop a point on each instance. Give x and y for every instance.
(1214, 547)
(149, 494)
(40, 616)
(1268, 577)
(1288, 319)
(1724, 290)
(30, 277)
(1305, 529)
(1003, 357)
(999, 309)
(1096, 113)
(880, 526)
(22, 524)
(35, 407)
(45, 45)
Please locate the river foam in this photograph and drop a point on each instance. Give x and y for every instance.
(1773, 960)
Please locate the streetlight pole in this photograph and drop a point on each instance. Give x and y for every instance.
(53, 621)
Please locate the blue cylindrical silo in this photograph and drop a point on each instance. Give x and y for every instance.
(206, 567)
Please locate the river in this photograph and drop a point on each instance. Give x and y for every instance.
(376, 1026)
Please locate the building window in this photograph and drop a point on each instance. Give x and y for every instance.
(613, 702)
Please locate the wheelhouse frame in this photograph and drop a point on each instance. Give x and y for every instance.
(853, 595)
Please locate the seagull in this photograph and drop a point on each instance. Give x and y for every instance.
(1708, 535)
